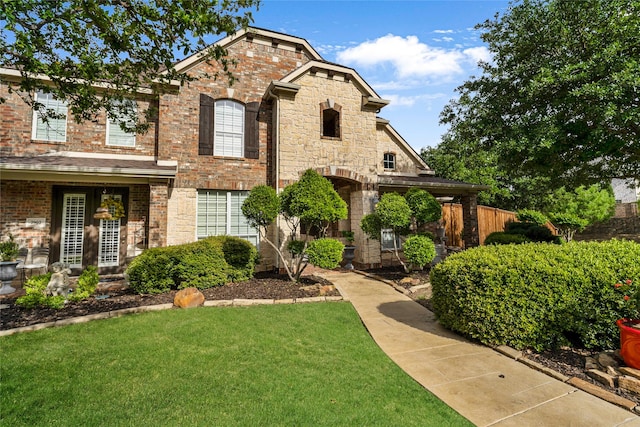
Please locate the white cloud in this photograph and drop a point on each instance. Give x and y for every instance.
(443, 31)
(448, 39)
(410, 101)
(409, 57)
(477, 54)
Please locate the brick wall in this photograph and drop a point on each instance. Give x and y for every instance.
(15, 208)
(16, 131)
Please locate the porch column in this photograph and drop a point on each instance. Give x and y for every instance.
(158, 200)
(471, 235)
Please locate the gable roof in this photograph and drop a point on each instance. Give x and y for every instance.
(256, 34)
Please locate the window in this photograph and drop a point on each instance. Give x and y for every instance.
(389, 161)
(54, 129)
(229, 129)
(330, 116)
(220, 212)
(386, 240)
(118, 137)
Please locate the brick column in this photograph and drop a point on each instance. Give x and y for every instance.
(470, 220)
(158, 200)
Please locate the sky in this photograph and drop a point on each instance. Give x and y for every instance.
(412, 53)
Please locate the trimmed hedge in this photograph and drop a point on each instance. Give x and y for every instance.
(537, 295)
(209, 262)
(325, 253)
(419, 250)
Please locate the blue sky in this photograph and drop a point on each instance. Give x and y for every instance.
(413, 53)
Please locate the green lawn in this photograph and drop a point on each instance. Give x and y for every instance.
(286, 365)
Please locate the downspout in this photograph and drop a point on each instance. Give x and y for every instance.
(276, 167)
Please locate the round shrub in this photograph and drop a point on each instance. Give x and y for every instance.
(536, 295)
(502, 238)
(87, 283)
(529, 215)
(325, 253)
(419, 250)
(532, 231)
(209, 262)
(35, 294)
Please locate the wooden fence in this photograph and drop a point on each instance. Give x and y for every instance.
(489, 220)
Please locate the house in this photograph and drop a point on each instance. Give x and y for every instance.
(208, 146)
(627, 195)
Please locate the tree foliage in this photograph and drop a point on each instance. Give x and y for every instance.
(561, 96)
(572, 211)
(401, 214)
(81, 47)
(313, 202)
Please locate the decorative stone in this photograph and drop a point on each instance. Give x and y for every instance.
(605, 359)
(629, 383)
(326, 289)
(625, 370)
(409, 281)
(602, 377)
(189, 297)
(590, 363)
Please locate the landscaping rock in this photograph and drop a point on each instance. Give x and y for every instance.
(189, 297)
(602, 377)
(607, 359)
(326, 289)
(631, 372)
(629, 383)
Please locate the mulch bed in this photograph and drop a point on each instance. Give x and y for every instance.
(262, 286)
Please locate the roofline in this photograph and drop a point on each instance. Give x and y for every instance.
(371, 94)
(387, 125)
(249, 32)
(16, 75)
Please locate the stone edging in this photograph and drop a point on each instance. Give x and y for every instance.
(146, 308)
(573, 381)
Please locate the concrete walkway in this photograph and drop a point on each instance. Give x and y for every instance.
(486, 387)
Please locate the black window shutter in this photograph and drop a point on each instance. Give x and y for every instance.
(205, 141)
(251, 128)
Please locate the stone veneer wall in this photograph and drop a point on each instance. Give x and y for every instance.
(618, 228)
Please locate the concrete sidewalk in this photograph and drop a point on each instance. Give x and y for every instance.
(483, 385)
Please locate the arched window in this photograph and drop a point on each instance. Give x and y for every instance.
(389, 161)
(330, 116)
(229, 129)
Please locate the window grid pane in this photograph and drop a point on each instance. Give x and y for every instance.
(389, 161)
(220, 213)
(109, 243)
(229, 129)
(116, 136)
(72, 235)
(54, 129)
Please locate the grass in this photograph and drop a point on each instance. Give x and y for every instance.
(283, 365)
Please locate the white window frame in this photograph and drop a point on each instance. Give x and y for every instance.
(116, 137)
(389, 161)
(386, 244)
(50, 131)
(228, 128)
(221, 219)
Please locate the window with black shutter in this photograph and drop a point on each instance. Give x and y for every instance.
(205, 138)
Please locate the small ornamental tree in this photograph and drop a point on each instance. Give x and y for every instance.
(572, 211)
(311, 202)
(424, 207)
(399, 213)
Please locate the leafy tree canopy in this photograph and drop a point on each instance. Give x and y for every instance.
(123, 45)
(560, 99)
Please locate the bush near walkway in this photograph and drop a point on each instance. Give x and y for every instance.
(537, 295)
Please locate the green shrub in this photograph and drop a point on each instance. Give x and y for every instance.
(419, 250)
(536, 295)
(209, 262)
(529, 215)
(35, 297)
(325, 253)
(532, 231)
(87, 283)
(502, 238)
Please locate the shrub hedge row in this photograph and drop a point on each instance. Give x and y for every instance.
(209, 262)
(537, 295)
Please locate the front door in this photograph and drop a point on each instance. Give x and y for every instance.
(79, 239)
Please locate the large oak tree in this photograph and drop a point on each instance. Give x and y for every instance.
(560, 98)
(81, 47)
